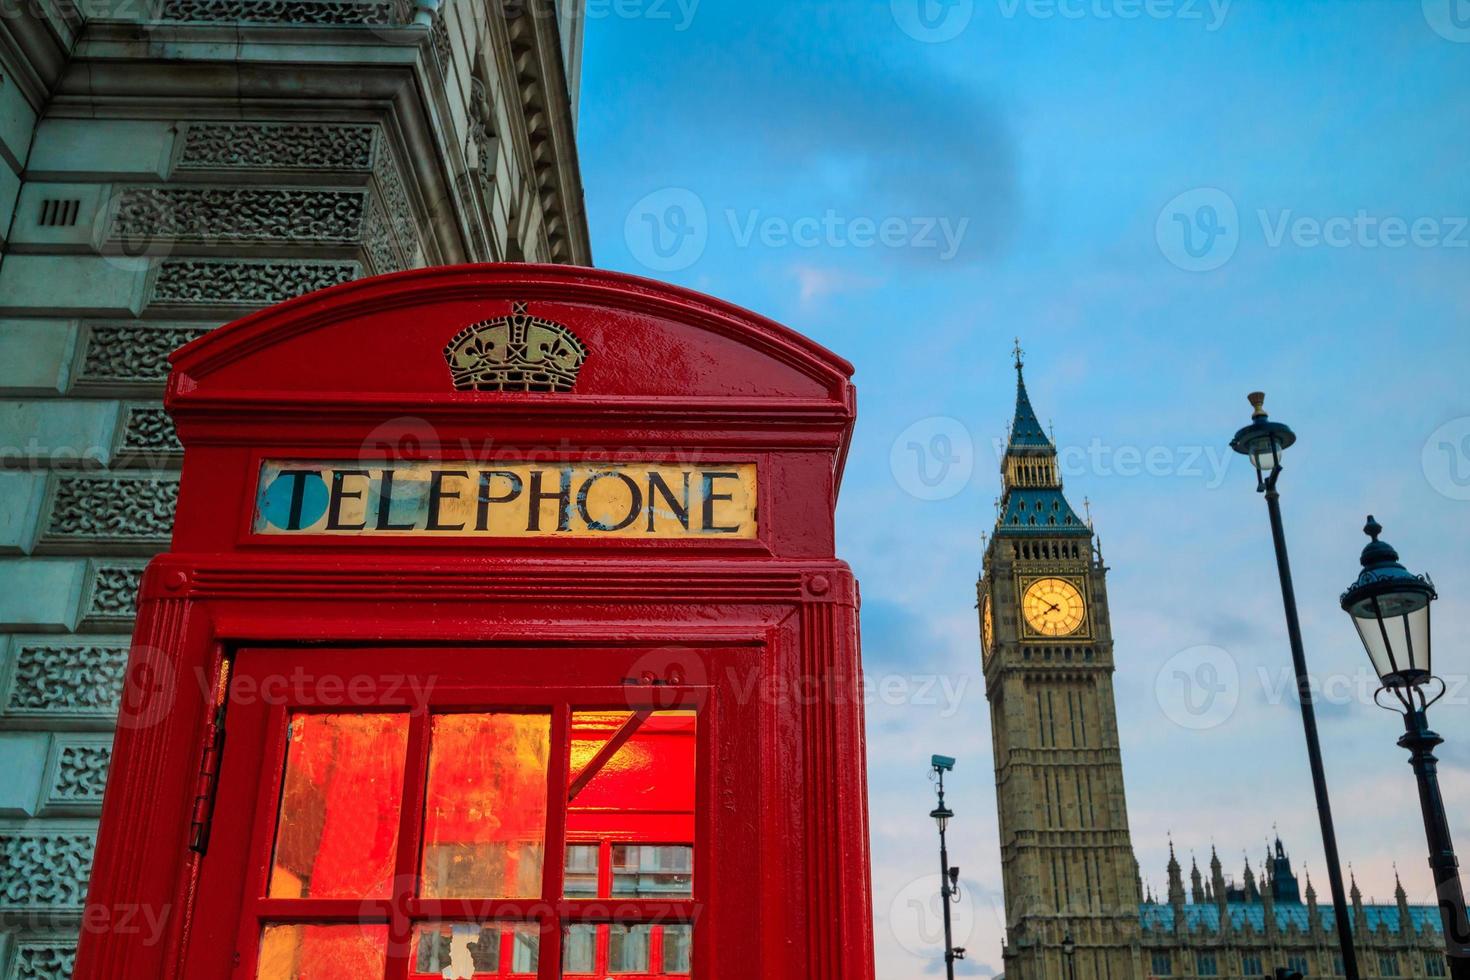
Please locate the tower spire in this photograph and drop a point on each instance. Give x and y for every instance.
(1031, 499)
(1027, 434)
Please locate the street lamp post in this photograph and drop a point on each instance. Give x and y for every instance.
(1069, 950)
(1263, 442)
(1390, 607)
(949, 878)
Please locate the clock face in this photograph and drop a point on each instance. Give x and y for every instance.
(987, 626)
(1053, 607)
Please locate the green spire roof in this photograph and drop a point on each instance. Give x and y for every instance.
(1026, 431)
(1033, 500)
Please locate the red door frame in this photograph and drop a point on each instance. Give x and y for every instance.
(672, 376)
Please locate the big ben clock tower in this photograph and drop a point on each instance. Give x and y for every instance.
(1066, 856)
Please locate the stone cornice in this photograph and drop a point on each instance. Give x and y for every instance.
(36, 48)
(558, 131)
(354, 72)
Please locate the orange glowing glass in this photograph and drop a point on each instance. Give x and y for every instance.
(337, 828)
(310, 952)
(485, 806)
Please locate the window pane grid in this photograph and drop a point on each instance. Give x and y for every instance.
(448, 835)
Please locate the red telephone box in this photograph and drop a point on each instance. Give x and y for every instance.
(502, 635)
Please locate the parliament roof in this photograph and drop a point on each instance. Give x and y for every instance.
(1205, 917)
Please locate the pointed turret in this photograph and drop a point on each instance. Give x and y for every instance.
(1031, 498)
(1360, 916)
(1252, 894)
(1406, 925)
(1314, 917)
(1217, 888)
(1176, 891)
(1268, 898)
(1196, 882)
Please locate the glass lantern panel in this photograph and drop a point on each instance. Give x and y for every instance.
(1416, 631)
(1378, 651)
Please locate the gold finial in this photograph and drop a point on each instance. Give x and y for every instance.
(1257, 399)
(1019, 354)
(1087, 506)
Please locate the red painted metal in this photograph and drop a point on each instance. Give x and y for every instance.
(759, 635)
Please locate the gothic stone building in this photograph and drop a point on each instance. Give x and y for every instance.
(1268, 925)
(167, 166)
(1067, 860)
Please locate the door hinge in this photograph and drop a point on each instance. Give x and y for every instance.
(207, 784)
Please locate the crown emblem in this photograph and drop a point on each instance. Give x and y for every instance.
(519, 352)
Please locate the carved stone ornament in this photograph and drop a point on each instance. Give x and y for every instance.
(519, 352)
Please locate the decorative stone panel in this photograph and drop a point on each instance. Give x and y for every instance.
(223, 282)
(232, 215)
(396, 208)
(148, 437)
(109, 511)
(277, 146)
(130, 356)
(111, 599)
(72, 681)
(44, 871)
(76, 775)
(50, 959)
(324, 12)
(377, 241)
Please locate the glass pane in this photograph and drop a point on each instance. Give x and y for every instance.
(485, 808)
(579, 954)
(678, 949)
(337, 831)
(627, 948)
(457, 949)
(464, 950)
(639, 794)
(582, 867)
(310, 952)
(525, 948)
(653, 870)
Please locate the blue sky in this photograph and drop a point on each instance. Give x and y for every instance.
(1172, 203)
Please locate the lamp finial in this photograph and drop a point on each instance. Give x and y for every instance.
(1373, 529)
(1257, 400)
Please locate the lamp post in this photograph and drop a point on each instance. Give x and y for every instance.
(949, 878)
(1390, 607)
(1263, 442)
(1069, 950)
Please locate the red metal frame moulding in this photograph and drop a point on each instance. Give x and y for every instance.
(703, 416)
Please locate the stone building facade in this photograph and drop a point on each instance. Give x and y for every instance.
(1245, 929)
(1067, 859)
(167, 166)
